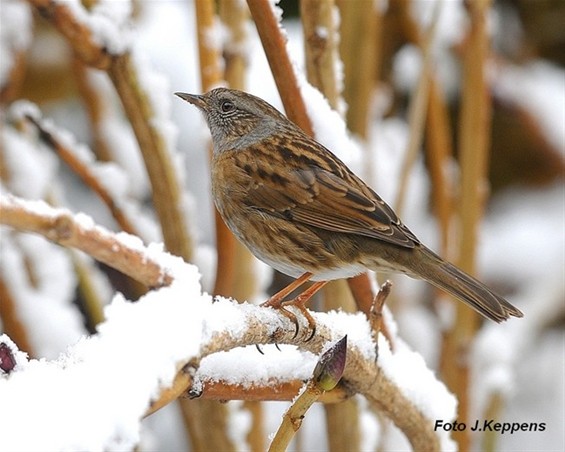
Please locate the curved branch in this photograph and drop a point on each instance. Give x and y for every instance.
(363, 374)
(62, 227)
(78, 34)
(248, 325)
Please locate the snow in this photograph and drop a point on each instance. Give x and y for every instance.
(329, 127)
(26, 161)
(408, 370)
(103, 384)
(247, 367)
(45, 308)
(240, 424)
(108, 22)
(15, 34)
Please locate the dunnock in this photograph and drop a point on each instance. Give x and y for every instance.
(298, 208)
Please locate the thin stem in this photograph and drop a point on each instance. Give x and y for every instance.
(320, 45)
(274, 44)
(360, 49)
(417, 112)
(474, 146)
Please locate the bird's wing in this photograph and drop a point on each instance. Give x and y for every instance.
(320, 198)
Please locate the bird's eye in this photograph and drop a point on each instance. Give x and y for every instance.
(227, 106)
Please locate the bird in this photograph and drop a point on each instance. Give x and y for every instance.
(297, 207)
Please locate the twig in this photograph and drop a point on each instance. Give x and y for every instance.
(376, 315)
(438, 134)
(417, 112)
(79, 36)
(11, 322)
(474, 135)
(320, 44)
(326, 375)
(166, 191)
(83, 170)
(274, 45)
(60, 226)
(360, 49)
(210, 77)
(439, 155)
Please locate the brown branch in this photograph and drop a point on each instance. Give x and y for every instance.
(274, 44)
(139, 110)
(11, 322)
(438, 133)
(321, 47)
(60, 226)
(82, 169)
(361, 50)
(96, 104)
(474, 132)
(78, 35)
(439, 153)
(361, 375)
(235, 16)
(376, 315)
(210, 77)
(166, 191)
(15, 78)
(417, 112)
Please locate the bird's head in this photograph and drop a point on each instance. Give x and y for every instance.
(236, 119)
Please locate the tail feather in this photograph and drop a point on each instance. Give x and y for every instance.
(468, 289)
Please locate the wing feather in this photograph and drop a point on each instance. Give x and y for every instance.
(317, 197)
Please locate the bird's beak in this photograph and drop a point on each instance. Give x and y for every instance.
(194, 99)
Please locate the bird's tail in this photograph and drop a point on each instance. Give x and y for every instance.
(467, 289)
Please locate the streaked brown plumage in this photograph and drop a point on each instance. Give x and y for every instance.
(298, 208)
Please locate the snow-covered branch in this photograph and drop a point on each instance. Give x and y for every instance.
(122, 251)
(176, 338)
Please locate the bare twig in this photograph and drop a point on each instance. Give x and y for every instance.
(11, 321)
(274, 44)
(84, 171)
(376, 315)
(417, 112)
(360, 48)
(320, 44)
(474, 146)
(166, 191)
(326, 375)
(79, 36)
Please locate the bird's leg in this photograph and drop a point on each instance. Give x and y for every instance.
(276, 301)
(300, 303)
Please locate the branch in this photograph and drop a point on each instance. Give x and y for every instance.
(362, 375)
(62, 227)
(77, 25)
(239, 325)
(274, 44)
(79, 35)
(81, 167)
